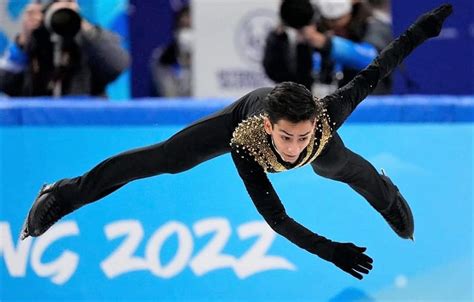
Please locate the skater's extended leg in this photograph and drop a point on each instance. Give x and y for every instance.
(195, 144)
(341, 164)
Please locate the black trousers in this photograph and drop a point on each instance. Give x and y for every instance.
(204, 140)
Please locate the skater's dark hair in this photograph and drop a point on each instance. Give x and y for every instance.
(292, 102)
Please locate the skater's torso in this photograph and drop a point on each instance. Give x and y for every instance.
(250, 140)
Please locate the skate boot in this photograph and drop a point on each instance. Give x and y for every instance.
(45, 211)
(398, 214)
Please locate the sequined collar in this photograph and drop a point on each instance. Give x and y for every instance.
(250, 139)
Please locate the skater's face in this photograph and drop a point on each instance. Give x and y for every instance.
(290, 139)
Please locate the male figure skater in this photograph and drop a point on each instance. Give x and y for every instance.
(266, 131)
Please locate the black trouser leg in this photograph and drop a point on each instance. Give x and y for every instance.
(341, 164)
(189, 147)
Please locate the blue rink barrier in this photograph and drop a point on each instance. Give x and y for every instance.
(196, 236)
(182, 111)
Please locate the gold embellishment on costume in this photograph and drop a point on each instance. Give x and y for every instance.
(322, 126)
(250, 138)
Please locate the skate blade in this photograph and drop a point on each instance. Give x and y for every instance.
(24, 231)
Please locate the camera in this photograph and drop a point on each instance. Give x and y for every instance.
(62, 21)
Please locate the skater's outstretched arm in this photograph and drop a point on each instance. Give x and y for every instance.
(343, 101)
(346, 256)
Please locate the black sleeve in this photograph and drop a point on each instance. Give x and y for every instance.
(276, 58)
(281, 66)
(343, 101)
(106, 56)
(270, 207)
(304, 65)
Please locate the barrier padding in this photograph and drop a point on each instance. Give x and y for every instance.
(155, 111)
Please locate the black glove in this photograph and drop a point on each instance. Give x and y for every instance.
(432, 22)
(351, 259)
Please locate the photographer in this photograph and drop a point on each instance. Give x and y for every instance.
(59, 53)
(171, 65)
(334, 40)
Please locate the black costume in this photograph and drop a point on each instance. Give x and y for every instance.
(239, 129)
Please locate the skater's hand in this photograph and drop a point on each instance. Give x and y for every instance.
(432, 22)
(351, 259)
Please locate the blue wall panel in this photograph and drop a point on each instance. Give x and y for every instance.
(445, 64)
(169, 220)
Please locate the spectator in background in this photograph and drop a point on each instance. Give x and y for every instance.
(171, 65)
(334, 40)
(382, 17)
(59, 53)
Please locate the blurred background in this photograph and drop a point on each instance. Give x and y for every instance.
(83, 80)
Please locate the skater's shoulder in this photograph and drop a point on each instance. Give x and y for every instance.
(261, 92)
(249, 140)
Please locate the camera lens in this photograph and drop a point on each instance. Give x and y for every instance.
(63, 21)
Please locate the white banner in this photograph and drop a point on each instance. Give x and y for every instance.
(229, 40)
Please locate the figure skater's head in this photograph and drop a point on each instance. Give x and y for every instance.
(291, 112)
